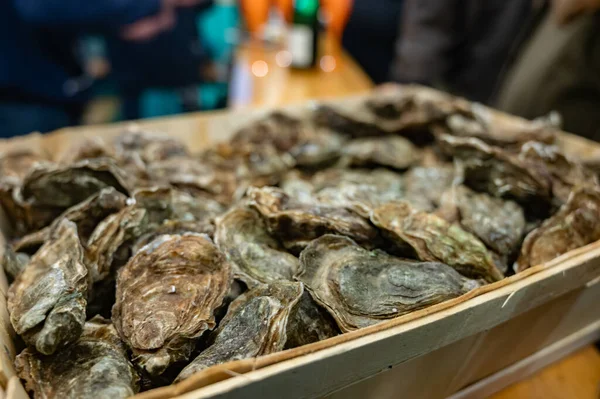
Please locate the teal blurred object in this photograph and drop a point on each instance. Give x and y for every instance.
(216, 31)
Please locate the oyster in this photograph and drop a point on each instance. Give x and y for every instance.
(431, 238)
(360, 287)
(166, 296)
(95, 366)
(256, 256)
(328, 117)
(14, 166)
(298, 186)
(358, 190)
(255, 325)
(109, 237)
(195, 175)
(318, 149)
(150, 147)
(13, 262)
(309, 322)
(92, 147)
(492, 170)
(47, 191)
(499, 224)
(47, 300)
(573, 226)
(277, 129)
(424, 186)
(393, 152)
(296, 223)
(86, 215)
(565, 173)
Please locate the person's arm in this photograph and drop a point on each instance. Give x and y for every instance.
(565, 11)
(93, 12)
(427, 36)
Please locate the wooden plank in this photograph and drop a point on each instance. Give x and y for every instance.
(340, 365)
(532, 364)
(15, 389)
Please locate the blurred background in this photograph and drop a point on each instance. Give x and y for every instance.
(66, 62)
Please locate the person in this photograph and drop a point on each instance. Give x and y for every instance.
(458, 45)
(42, 86)
(558, 69)
(371, 34)
(173, 60)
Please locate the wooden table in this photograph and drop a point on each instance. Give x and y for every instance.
(260, 77)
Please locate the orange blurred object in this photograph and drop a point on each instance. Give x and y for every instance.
(256, 14)
(336, 14)
(286, 8)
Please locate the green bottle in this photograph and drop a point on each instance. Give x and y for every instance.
(303, 35)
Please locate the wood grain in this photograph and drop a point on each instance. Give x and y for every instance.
(577, 376)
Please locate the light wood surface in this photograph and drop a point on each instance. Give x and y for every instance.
(577, 376)
(260, 77)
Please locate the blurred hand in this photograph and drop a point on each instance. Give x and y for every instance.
(149, 27)
(565, 11)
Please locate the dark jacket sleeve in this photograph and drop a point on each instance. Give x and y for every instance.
(428, 33)
(78, 12)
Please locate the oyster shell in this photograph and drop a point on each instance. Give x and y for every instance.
(256, 256)
(309, 322)
(296, 223)
(95, 366)
(565, 173)
(47, 191)
(91, 147)
(195, 175)
(255, 325)
(150, 147)
(320, 148)
(358, 190)
(431, 238)
(499, 224)
(360, 288)
(492, 170)
(277, 129)
(13, 262)
(424, 186)
(86, 215)
(573, 226)
(166, 296)
(393, 152)
(47, 300)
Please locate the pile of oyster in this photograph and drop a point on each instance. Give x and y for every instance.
(135, 263)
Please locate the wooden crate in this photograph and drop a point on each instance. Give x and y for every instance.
(466, 347)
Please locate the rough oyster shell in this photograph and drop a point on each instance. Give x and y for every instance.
(256, 256)
(393, 152)
(434, 239)
(424, 186)
(277, 129)
(573, 226)
(150, 147)
(48, 298)
(86, 215)
(492, 170)
(309, 322)
(499, 224)
(95, 366)
(296, 223)
(47, 191)
(255, 325)
(360, 287)
(166, 298)
(565, 173)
